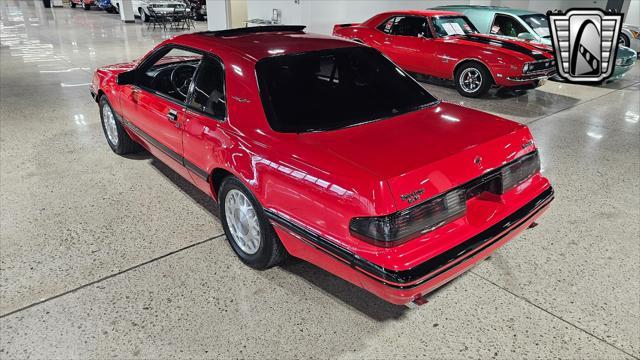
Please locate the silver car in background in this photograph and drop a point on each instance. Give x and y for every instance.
(630, 36)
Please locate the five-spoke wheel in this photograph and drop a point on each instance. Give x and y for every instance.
(472, 79)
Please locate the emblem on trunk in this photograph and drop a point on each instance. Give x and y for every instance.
(412, 197)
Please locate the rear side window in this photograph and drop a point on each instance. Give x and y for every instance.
(208, 90)
(336, 88)
(406, 26)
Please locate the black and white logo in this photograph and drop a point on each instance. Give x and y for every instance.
(584, 43)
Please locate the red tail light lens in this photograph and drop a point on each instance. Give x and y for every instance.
(396, 228)
(519, 171)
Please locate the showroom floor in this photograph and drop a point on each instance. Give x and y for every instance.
(105, 256)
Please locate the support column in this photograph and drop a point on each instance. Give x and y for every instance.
(126, 11)
(217, 18)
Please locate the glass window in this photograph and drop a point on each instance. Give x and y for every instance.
(336, 88)
(208, 89)
(171, 74)
(453, 25)
(538, 23)
(406, 26)
(507, 26)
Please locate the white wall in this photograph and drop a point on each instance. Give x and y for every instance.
(217, 15)
(321, 15)
(633, 14)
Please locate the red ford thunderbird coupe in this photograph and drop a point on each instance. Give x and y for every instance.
(325, 150)
(446, 45)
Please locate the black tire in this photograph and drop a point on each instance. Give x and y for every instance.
(72, 4)
(270, 251)
(125, 145)
(624, 40)
(86, 6)
(143, 16)
(485, 79)
(116, 9)
(110, 10)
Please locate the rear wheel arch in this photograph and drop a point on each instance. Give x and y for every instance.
(99, 95)
(216, 178)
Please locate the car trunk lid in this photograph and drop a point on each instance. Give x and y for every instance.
(424, 153)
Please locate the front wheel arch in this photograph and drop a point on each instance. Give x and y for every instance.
(460, 64)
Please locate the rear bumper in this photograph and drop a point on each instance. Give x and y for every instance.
(404, 286)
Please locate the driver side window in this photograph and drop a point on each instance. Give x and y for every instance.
(172, 73)
(209, 90)
(507, 26)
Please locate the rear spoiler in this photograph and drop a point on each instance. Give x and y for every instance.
(338, 27)
(255, 30)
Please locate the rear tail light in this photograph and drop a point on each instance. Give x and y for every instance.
(396, 228)
(519, 171)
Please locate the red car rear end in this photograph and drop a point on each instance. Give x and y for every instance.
(341, 158)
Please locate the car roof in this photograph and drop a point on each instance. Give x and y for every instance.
(421, 12)
(492, 9)
(261, 42)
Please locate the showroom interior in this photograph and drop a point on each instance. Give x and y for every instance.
(106, 252)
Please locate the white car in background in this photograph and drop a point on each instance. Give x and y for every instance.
(141, 7)
(630, 37)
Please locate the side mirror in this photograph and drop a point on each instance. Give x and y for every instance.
(127, 77)
(526, 36)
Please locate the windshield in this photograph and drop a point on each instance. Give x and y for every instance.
(333, 89)
(453, 25)
(538, 23)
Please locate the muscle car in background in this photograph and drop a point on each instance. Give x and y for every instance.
(528, 25)
(323, 149)
(447, 45)
(141, 7)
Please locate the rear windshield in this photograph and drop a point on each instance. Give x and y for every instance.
(336, 88)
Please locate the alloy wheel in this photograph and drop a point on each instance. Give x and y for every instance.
(243, 221)
(110, 124)
(470, 80)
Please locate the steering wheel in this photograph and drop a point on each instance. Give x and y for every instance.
(181, 78)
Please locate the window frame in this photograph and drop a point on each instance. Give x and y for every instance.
(190, 95)
(395, 19)
(514, 18)
(158, 53)
(153, 58)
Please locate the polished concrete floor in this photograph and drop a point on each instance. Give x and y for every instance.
(104, 256)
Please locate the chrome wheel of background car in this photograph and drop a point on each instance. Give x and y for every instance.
(243, 221)
(110, 124)
(143, 15)
(624, 40)
(470, 80)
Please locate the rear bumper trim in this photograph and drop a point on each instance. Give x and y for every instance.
(406, 279)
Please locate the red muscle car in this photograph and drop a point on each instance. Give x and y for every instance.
(446, 45)
(324, 149)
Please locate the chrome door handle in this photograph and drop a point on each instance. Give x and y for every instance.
(172, 115)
